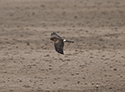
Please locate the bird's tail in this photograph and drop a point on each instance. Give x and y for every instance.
(68, 41)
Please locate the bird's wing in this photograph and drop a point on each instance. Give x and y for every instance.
(55, 35)
(59, 46)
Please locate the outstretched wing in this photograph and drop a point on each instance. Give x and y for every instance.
(55, 35)
(59, 46)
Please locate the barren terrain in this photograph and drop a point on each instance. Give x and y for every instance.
(94, 63)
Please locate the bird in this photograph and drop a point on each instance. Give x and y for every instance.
(59, 42)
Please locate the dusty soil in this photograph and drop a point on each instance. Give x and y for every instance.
(94, 63)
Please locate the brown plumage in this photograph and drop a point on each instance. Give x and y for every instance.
(58, 42)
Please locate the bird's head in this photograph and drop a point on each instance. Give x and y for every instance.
(52, 38)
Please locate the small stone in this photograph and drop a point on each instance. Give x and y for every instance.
(115, 69)
(78, 82)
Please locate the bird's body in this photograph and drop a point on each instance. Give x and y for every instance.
(58, 42)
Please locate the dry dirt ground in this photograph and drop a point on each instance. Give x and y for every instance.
(94, 63)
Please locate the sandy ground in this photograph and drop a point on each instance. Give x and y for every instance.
(94, 63)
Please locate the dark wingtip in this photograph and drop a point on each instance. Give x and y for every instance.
(60, 52)
(53, 33)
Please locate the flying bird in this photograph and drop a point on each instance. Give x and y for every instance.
(58, 42)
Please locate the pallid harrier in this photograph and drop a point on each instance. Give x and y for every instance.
(58, 42)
